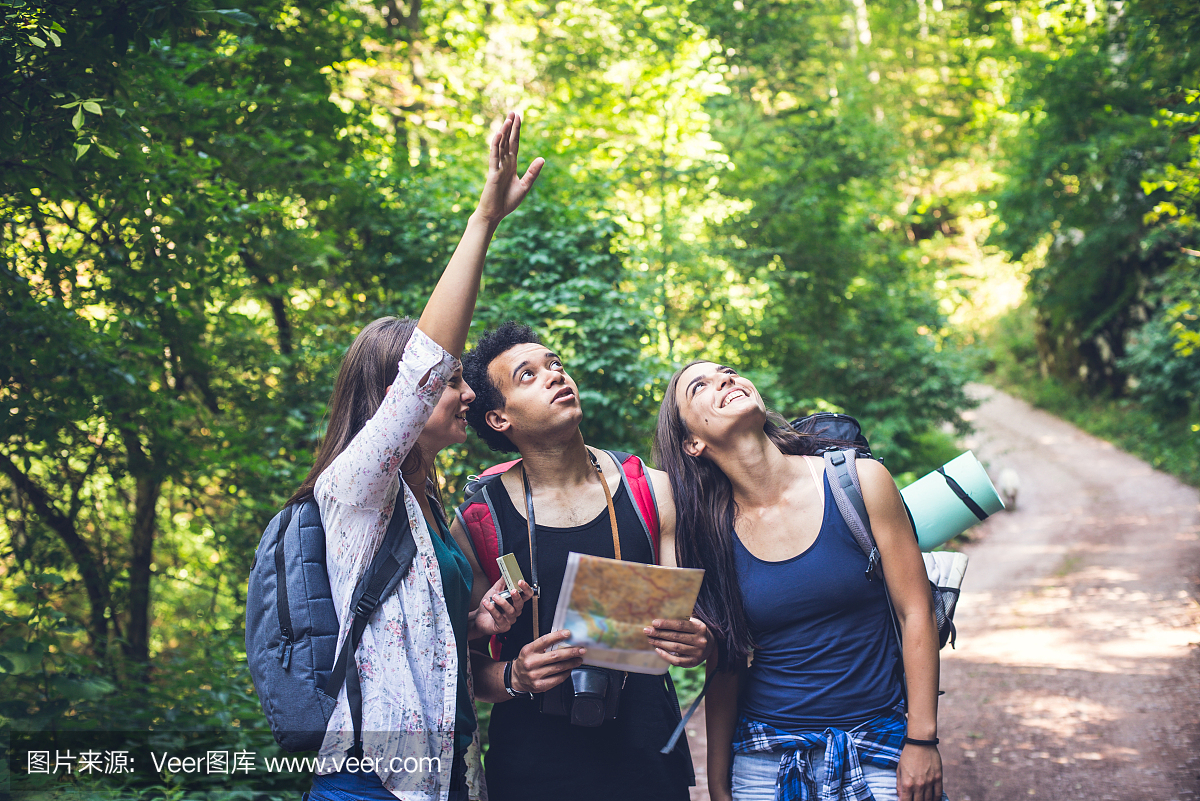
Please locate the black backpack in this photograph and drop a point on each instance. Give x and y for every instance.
(292, 625)
(833, 432)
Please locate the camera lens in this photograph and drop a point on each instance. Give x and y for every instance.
(590, 687)
(587, 711)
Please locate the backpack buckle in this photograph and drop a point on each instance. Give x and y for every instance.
(366, 605)
(873, 565)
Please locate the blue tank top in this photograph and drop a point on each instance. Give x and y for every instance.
(824, 651)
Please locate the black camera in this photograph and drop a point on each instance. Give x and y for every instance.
(590, 696)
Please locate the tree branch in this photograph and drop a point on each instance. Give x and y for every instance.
(85, 560)
(278, 305)
(77, 486)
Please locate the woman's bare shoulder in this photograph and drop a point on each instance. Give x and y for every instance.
(872, 471)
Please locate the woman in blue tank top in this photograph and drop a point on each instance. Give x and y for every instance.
(807, 698)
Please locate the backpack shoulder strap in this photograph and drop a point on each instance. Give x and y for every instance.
(637, 483)
(847, 494)
(477, 516)
(387, 568)
(497, 469)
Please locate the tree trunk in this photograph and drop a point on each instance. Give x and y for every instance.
(145, 524)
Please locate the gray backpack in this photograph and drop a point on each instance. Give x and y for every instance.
(292, 625)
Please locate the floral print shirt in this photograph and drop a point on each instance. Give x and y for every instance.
(408, 658)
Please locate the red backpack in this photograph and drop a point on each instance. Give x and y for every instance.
(477, 514)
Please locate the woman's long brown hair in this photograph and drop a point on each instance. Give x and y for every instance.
(704, 516)
(369, 368)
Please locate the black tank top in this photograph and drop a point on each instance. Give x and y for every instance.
(532, 756)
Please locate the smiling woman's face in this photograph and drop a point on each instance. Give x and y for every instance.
(447, 423)
(714, 401)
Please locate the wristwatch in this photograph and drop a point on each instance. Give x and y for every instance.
(508, 688)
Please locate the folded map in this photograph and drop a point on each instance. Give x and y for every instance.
(607, 603)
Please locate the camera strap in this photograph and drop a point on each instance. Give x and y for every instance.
(529, 520)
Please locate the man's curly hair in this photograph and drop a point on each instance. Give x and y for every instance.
(487, 395)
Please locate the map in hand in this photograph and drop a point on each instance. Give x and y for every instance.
(607, 604)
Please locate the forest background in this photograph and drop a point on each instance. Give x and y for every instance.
(863, 205)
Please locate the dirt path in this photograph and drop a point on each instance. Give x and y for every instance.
(1077, 675)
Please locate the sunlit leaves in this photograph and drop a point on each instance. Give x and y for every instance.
(232, 15)
(130, 363)
(828, 134)
(1105, 169)
(754, 182)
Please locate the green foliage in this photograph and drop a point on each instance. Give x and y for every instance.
(836, 308)
(927, 452)
(65, 64)
(1012, 353)
(200, 207)
(688, 683)
(1164, 354)
(138, 372)
(1101, 203)
(1103, 174)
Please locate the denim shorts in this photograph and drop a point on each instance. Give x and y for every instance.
(348, 786)
(361, 786)
(754, 776)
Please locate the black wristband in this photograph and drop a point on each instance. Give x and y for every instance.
(911, 741)
(508, 688)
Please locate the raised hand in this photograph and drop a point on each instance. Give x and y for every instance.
(504, 189)
(447, 315)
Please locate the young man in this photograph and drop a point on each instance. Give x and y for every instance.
(526, 402)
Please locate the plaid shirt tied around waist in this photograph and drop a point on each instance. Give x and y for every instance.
(877, 742)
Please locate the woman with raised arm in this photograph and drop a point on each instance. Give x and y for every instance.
(827, 708)
(399, 399)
